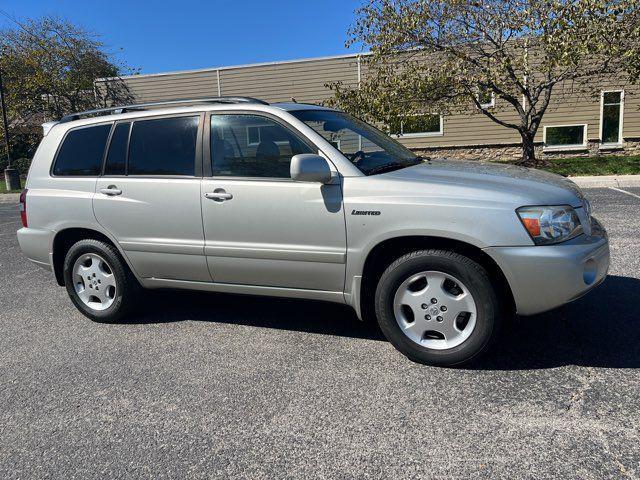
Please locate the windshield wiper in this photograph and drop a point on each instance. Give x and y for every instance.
(389, 167)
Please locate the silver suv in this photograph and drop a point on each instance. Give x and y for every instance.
(235, 195)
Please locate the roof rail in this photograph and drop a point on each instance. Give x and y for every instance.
(143, 106)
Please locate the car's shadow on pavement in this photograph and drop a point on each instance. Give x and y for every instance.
(322, 318)
(601, 329)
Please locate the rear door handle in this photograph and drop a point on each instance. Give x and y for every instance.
(111, 191)
(218, 196)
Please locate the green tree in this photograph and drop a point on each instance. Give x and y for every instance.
(445, 55)
(49, 66)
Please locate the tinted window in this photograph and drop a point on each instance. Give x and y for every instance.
(82, 151)
(163, 146)
(252, 146)
(117, 156)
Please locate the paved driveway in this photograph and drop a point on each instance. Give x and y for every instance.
(230, 386)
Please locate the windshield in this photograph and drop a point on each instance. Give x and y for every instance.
(369, 149)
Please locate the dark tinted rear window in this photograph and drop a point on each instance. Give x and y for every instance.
(82, 151)
(117, 156)
(163, 146)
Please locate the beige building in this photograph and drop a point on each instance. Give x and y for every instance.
(608, 123)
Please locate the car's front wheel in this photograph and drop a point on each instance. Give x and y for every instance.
(98, 281)
(437, 307)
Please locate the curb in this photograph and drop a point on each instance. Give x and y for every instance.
(619, 181)
(9, 197)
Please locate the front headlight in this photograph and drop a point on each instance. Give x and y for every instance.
(547, 225)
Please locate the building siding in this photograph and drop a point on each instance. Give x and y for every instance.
(174, 86)
(306, 81)
(303, 81)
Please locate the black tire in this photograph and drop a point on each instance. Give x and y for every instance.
(127, 290)
(478, 282)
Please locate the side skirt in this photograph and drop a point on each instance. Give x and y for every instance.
(336, 297)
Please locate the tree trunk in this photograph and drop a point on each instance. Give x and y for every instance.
(528, 158)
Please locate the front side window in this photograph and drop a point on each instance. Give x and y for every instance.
(163, 146)
(565, 136)
(369, 149)
(82, 151)
(244, 145)
(430, 124)
(611, 117)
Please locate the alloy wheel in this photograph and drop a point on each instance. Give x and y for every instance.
(94, 281)
(435, 310)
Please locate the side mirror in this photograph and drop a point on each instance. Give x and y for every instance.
(308, 167)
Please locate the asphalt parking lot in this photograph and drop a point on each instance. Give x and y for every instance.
(205, 385)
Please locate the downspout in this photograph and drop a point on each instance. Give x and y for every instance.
(359, 80)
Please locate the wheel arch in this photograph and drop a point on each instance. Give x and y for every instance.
(386, 251)
(65, 238)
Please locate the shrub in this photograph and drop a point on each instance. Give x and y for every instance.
(22, 165)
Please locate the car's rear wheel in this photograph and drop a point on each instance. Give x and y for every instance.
(98, 281)
(437, 307)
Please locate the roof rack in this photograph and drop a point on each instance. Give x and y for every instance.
(144, 106)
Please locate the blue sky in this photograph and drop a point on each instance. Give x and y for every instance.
(163, 35)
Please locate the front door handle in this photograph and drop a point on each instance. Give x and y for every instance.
(218, 195)
(111, 191)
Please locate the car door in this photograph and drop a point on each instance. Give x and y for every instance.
(149, 196)
(261, 228)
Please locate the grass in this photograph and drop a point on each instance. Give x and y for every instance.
(605, 165)
(3, 186)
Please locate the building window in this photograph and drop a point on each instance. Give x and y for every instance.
(486, 98)
(336, 143)
(253, 135)
(611, 111)
(565, 136)
(259, 133)
(417, 125)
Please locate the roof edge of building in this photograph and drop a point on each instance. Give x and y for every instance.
(233, 67)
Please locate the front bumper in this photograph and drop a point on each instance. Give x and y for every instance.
(544, 277)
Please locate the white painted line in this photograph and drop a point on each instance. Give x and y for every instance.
(624, 191)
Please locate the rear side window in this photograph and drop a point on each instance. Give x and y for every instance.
(117, 155)
(163, 146)
(82, 151)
